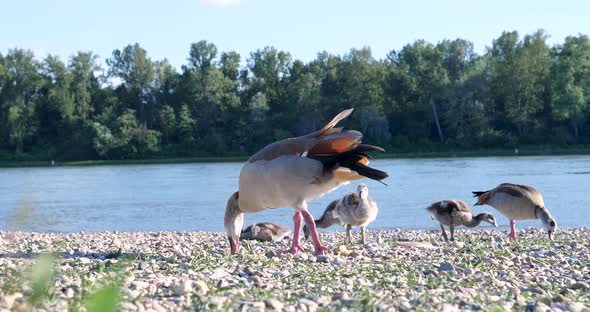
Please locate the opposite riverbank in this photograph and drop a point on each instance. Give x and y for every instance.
(396, 270)
(525, 151)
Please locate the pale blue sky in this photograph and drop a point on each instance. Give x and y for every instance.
(303, 28)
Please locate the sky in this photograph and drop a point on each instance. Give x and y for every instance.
(304, 27)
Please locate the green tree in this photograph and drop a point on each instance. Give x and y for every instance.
(83, 67)
(519, 82)
(230, 65)
(571, 82)
(19, 97)
(416, 81)
(201, 55)
(136, 70)
(167, 122)
(186, 126)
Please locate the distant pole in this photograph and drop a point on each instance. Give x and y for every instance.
(440, 133)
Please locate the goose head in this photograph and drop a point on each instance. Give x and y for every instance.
(548, 221)
(487, 217)
(233, 222)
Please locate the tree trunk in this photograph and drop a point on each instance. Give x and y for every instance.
(440, 133)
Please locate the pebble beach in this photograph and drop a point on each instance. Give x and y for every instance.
(399, 270)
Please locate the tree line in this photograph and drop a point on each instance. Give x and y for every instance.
(521, 91)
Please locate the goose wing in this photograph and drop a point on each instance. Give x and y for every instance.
(324, 142)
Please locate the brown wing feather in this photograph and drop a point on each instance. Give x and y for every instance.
(483, 198)
(300, 145)
(462, 206)
(336, 144)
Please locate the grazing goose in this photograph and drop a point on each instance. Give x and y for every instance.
(354, 209)
(265, 231)
(290, 172)
(453, 212)
(518, 202)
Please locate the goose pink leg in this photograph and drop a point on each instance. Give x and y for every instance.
(295, 245)
(319, 248)
(512, 234)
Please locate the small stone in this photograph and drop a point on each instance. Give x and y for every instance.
(8, 300)
(339, 296)
(256, 280)
(323, 259)
(69, 293)
(579, 286)
(353, 254)
(184, 287)
(337, 263)
(252, 306)
(343, 250)
(311, 305)
(273, 304)
(576, 307)
(249, 270)
(445, 266)
(459, 244)
(201, 286)
(219, 274)
(281, 273)
(222, 284)
(447, 307)
(550, 253)
(128, 306)
(429, 272)
(84, 260)
(468, 271)
(138, 285)
(271, 254)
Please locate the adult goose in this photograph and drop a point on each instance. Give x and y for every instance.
(354, 209)
(453, 213)
(290, 172)
(518, 202)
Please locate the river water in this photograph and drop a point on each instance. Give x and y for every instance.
(192, 197)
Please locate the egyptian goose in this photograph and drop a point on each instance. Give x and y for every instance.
(290, 172)
(518, 202)
(265, 232)
(452, 212)
(354, 209)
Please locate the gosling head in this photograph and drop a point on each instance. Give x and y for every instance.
(233, 222)
(548, 221)
(363, 191)
(487, 217)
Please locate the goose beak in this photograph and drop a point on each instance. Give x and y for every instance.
(234, 245)
(550, 234)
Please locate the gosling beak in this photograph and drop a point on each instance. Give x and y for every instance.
(550, 234)
(234, 245)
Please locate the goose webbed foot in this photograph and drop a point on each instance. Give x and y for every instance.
(295, 249)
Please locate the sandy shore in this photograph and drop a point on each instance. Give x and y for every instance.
(397, 270)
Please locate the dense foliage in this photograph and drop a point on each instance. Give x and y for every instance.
(422, 97)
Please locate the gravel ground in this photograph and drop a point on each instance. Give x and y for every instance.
(397, 270)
